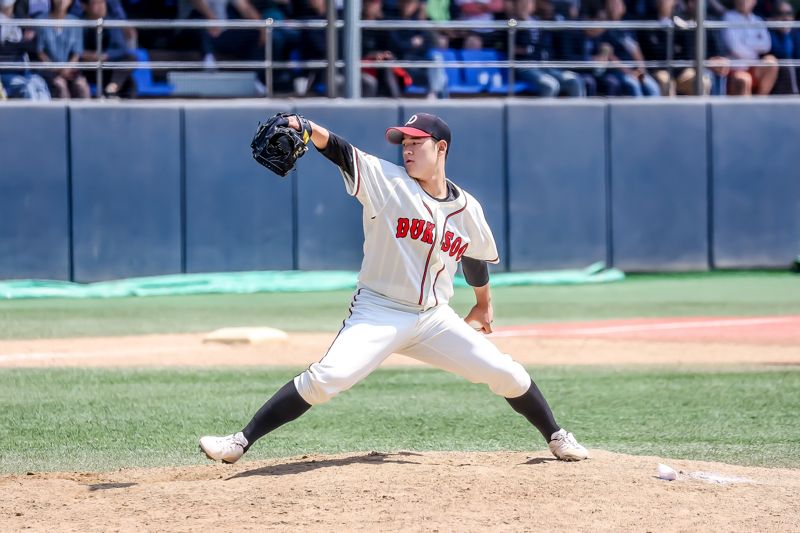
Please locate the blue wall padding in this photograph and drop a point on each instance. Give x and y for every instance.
(659, 186)
(134, 189)
(239, 216)
(756, 183)
(477, 159)
(329, 225)
(34, 192)
(556, 193)
(126, 182)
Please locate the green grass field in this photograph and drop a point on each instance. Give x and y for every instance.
(107, 419)
(718, 293)
(88, 419)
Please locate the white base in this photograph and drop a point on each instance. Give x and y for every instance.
(245, 335)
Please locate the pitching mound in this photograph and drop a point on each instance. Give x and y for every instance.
(507, 491)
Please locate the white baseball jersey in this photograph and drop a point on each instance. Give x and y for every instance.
(413, 242)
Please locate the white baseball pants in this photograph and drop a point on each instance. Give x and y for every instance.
(378, 327)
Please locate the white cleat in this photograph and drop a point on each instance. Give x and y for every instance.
(564, 446)
(227, 449)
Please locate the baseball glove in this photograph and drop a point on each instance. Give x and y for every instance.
(277, 146)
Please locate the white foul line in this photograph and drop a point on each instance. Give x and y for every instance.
(46, 356)
(632, 328)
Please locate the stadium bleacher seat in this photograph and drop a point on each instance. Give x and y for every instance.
(143, 79)
(493, 79)
(467, 80)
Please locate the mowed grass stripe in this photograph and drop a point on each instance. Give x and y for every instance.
(706, 294)
(100, 419)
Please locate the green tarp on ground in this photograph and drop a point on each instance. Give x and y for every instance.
(267, 281)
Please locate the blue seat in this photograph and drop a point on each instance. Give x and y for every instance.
(494, 80)
(479, 76)
(456, 81)
(143, 78)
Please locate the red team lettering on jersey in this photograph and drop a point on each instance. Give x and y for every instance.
(414, 228)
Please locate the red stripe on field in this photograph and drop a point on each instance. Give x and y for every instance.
(768, 329)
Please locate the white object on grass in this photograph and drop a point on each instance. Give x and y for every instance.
(245, 335)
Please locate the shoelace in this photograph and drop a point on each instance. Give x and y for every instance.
(569, 438)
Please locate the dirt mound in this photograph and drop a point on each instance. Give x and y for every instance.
(504, 491)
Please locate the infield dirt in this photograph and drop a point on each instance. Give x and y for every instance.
(408, 491)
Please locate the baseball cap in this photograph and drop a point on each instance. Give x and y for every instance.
(420, 125)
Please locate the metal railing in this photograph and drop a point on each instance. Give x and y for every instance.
(268, 65)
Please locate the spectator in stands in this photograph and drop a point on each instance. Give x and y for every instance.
(114, 11)
(535, 45)
(567, 45)
(32, 8)
(161, 39)
(62, 45)
(113, 46)
(635, 81)
(413, 44)
(313, 46)
(477, 11)
(658, 45)
(593, 47)
(786, 45)
(240, 44)
(375, 46)
(283, 39)
(640, 9)
(751, 43)
(715, 81)
(439, 10)
(15, 47)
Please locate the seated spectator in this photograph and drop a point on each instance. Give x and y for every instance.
(477, 11)
(439, 10)
(569, 45)
(113, 49)
(62, 45)
(284, 40)
(566, 45)
(314, 46)
(635, 81)
(593, 47)
(375, 48)
(162, 39)
(114, 11)
(655, 45)
(32, 9)
(15, 45)
(413, 44)
(640, 9)
(233, 43)
(535, 45)
(785, 45)
(716, 77)
(752, 43)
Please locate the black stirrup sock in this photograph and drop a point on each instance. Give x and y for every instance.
(284, 406)
(533, 406)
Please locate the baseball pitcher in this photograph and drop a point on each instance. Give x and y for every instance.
(418, 226)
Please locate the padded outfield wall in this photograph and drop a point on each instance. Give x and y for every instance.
(97, 191)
